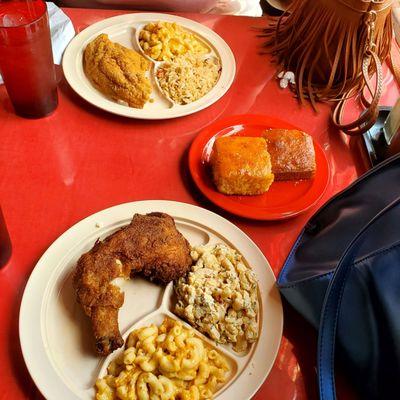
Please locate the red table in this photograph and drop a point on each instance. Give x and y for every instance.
(58, 170)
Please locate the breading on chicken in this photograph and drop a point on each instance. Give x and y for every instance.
(150, 245)
(118, 72)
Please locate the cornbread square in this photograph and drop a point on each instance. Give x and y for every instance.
(241, 165)
(292, 154)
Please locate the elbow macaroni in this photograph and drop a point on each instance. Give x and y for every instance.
(219, 296)
(163, 41)
(164, 363)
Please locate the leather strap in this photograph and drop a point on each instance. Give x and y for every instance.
(331, 309)
(394, 63)
(368, 118)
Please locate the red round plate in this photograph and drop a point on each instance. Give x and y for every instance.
(283, 199)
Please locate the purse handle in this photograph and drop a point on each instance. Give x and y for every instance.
(331, 309)
(370, 59)
(369, 117)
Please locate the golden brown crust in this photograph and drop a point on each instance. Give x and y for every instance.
(292, 154)
(150, 245)
(117, 71)
(241, 165)
(105, 329)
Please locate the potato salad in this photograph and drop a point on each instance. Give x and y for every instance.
(219, 296)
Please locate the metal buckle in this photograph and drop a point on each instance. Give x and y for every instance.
(379, 142)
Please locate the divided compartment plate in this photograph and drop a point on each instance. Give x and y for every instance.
(124, 29)
(56, 337)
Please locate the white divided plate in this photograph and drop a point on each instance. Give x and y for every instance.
(122, 29)
(56, 337)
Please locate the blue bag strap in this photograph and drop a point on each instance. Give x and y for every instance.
(331, 308)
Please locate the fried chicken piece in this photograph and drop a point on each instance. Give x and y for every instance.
(150, 245)
(117, 71)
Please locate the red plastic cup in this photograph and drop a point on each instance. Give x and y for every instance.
(26, 58)
(5, 243)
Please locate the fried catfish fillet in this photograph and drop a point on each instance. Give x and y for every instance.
(150, 245)
(118, 72)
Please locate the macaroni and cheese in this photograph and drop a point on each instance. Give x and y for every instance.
(164, 363)
(163, 41)
(219, 296)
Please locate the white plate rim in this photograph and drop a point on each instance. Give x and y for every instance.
(33, 349)
(72, 55)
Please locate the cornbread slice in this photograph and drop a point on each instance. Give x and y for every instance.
(241, 165)
(292, 154)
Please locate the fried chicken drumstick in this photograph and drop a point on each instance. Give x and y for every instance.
(150, 245)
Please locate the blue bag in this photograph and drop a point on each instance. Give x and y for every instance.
(343, 276)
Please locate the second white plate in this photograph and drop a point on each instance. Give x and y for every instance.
(121, 29)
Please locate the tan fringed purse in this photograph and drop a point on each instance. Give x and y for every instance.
(334, 48)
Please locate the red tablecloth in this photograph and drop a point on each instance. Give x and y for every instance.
(58, 170)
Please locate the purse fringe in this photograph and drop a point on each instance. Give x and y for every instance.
(325, 49)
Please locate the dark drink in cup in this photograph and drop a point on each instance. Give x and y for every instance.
(26, 59)
(5, 243)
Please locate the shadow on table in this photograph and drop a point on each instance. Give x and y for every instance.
(20, 371)
(303, 337)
